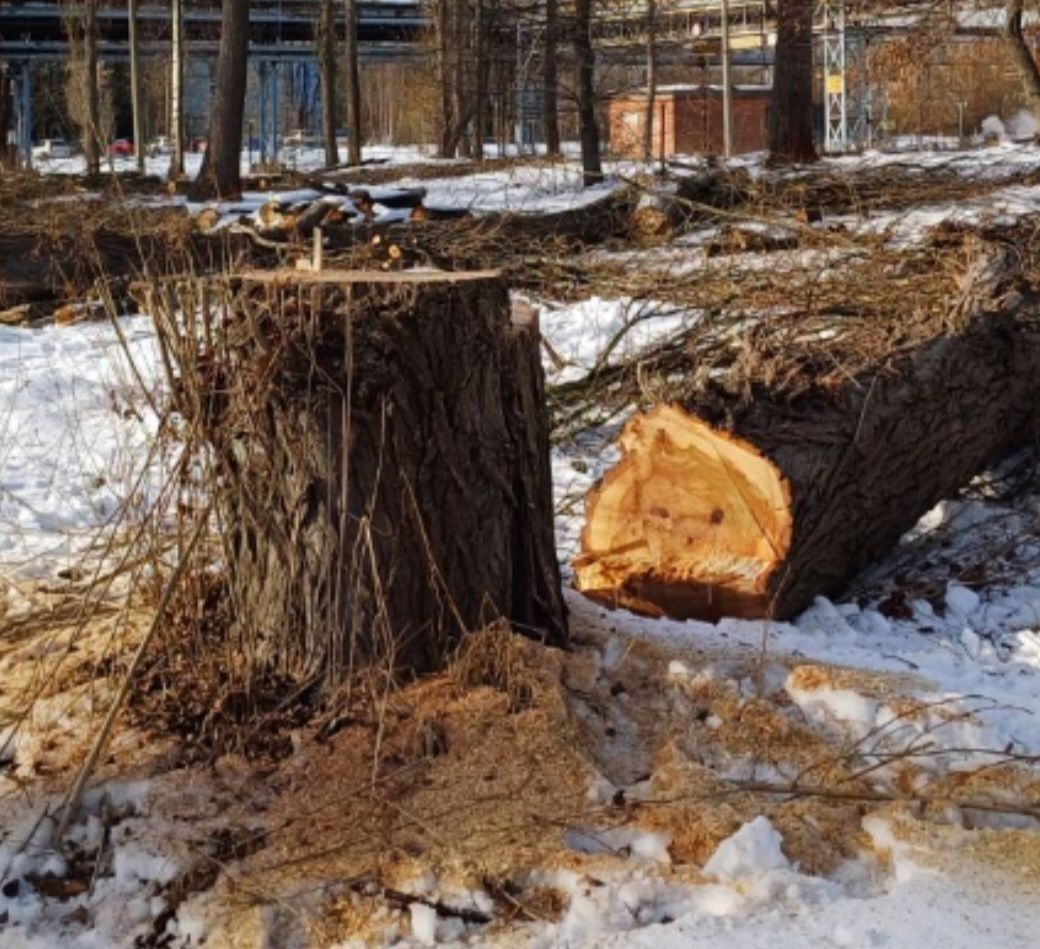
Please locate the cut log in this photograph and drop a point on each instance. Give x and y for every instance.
(384, 473)
(658, 215)
(751, 503)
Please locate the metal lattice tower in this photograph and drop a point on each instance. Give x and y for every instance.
(835, 101)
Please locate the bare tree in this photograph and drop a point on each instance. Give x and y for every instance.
(176, 128)
(7, 155)
(585, 61)
(327, 69)
(461, 140)
(135, 85)
(353, 86)
(83, 90)
(1025, 64)
(550, 80)
(445, 120)
(651, 79)
(222, 164)
(480, 44)
(791, 118)
(6, 152)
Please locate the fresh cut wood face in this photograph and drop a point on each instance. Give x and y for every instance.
(692, 522)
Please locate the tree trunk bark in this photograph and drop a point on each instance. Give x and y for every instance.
(327, 68)
(1022, 55)
(480, 46)
(5, 115)
(460, 133)
(550, 79)
(135, 86)
(222, 164)
(92, 118)
(444, 149)
(591, 164)
(730, 505)
(651, 80)
(791, 117)
(6, 110)
(399, 497)
(176, 129)
(353, 86)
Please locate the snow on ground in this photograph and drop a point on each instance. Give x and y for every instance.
(902, 229)
(73, 431)
(72, 437)
(297, 157)
(553, 186)
(753, 898)
(778, 907)
(595, 333)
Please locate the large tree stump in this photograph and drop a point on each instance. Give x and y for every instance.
(747, 503)
(381, 461)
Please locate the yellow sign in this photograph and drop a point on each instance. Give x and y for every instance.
(835, 85)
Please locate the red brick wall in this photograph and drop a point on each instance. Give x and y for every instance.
(688, 123)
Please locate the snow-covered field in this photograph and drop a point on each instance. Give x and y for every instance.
(74, 429)
(74, 434)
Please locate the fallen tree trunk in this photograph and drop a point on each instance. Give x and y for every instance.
(496, 240)
(36, 267)
(382, 461)
(741, 501)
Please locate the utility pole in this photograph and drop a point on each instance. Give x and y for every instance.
(135, 86)
(176, 130)
(353, 86)
(727, 89)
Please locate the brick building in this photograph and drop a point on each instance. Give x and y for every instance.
(688, 120)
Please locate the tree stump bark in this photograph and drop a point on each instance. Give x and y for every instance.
(381, 457)
(725, 505)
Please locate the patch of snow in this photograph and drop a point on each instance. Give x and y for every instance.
(961, 600)
(424, 923)
(74, 430)
(751, 851)
(623, 841)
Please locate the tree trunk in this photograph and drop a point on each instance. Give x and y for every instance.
(651, 80)
(327, 68)
(592, 167)
(389, 489)
(444, 149)
(550, 79)
(460, 133)
(480, 46)
(92, 119)
(743, 504)
(353, 86)
(176, 129)
(1025, 64)
(6, 110)
(5, 115)
(135, 86)
(221, 171)
(791, 117)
